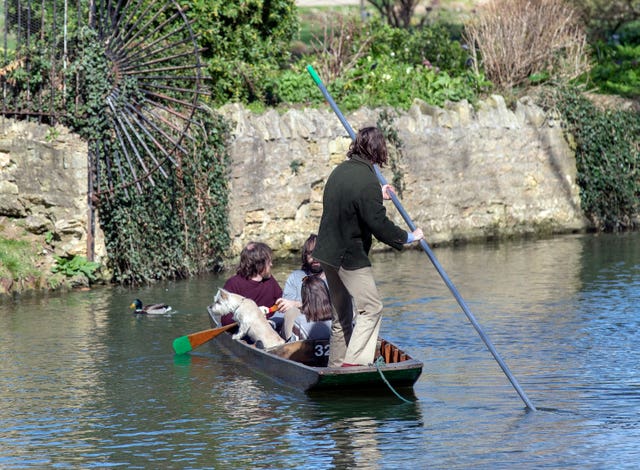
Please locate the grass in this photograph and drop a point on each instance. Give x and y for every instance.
(16, 259)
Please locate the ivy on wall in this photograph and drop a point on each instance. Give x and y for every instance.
(175, 227)
(607, 145)
(178, 227)
(395, 147)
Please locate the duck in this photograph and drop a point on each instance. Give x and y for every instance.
(151, 309)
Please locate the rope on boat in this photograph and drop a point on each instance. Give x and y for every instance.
(378, 362)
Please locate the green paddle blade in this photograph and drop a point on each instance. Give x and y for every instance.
(182, 345)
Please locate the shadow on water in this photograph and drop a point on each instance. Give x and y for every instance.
(343, 429)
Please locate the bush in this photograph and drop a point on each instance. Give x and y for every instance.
(617, 63)
(607, 17)
(245, 42)
(617, 70)
(513, 40)
(389, 82)
(179, 226)
(377, 65)
(607, 159)
(427, 45)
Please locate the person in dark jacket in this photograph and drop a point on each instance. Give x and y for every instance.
(353, 213)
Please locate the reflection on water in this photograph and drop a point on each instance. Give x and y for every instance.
(87, 384)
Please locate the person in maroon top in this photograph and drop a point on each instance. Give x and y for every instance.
(253, 278)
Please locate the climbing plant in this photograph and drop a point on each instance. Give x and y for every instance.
(395, 147)
(178, 227)
(607, 145)
(127, 77)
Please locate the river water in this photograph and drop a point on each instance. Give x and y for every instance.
(86, 384)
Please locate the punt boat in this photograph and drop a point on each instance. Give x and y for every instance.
(303, 364)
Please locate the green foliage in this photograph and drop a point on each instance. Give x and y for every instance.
(75, 266)
(294, 86)
(395, 147)
(617, 70)
(93, 66)
(52, 134)
(295, 166)
(389, 82)
(179, 226)
(16, 259)
(394, 68)
(429, 45)
(607, 157)
(245, 43)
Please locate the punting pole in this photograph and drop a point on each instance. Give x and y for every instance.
(427, 250)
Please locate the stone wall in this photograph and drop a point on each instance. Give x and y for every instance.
(469, 172)
(43, 186)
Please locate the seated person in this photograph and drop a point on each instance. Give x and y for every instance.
(292, 298)
(314, 321)
(253, 278)
(309, 266)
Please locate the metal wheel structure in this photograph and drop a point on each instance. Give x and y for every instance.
(152, 50)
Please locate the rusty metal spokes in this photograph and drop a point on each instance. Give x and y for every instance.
(157, 83)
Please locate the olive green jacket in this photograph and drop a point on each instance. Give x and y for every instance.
(352, 211)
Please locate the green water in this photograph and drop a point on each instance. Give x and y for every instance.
(85, 384)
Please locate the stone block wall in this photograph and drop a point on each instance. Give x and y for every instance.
(469, 172)
(43, 186)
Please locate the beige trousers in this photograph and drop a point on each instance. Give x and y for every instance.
(357, 314)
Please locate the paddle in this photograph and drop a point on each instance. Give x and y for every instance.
(184, 344)
(426, 248)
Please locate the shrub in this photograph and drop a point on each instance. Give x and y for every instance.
(377, 65)
(294, 86)
(514, 40)
(387, 81)
(430, 44)
(617, 70)
(179, 226)
(607, 159)
(76, 266)
(607, 17)
(244, 42)
(617, 62)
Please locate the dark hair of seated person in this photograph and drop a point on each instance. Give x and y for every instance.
(316, 303)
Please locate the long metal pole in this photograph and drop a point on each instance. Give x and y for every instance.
(427, 250)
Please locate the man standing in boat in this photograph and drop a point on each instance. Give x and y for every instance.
(353, 212)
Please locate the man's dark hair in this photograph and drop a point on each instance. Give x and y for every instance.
(254, 258)
(370, 145)
(307, 249)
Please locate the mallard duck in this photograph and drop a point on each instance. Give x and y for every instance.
(152, 309)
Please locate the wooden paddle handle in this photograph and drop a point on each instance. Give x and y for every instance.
(201, 337)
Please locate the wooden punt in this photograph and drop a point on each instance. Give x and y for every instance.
(303, 364)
